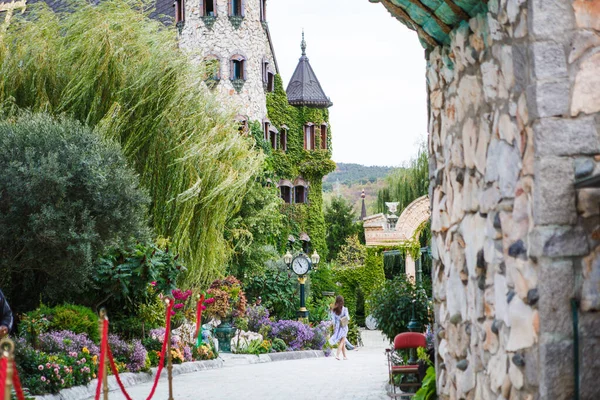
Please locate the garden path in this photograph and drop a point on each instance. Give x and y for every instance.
(361, 377)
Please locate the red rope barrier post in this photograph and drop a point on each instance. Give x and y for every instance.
(104, 365)
(8, 347)
(169, 355)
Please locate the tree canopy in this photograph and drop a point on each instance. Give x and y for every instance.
(340, 224)
(121, 73)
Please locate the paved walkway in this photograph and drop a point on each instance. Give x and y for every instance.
(361, 377)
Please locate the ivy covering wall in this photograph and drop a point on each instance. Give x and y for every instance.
(311, 165)
(360, 281)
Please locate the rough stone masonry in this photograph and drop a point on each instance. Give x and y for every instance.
(514, 121)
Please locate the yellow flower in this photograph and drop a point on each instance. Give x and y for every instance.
(95, 360)
(85, 350)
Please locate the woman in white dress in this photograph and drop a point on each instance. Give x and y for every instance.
(340, 317)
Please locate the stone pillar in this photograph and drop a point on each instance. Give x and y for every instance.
(410, 267)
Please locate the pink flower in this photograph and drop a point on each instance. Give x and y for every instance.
(41, 367)
(153, 283)
(62, 381)
(83, 360)
(56, 371)
(43, 378)
(178, 306)
(209, 301)
(47, 365)
(203, 307)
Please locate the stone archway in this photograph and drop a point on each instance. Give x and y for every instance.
(413, 216)
(390, 230)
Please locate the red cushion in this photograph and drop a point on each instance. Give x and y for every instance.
(409, 340)
(405, 367)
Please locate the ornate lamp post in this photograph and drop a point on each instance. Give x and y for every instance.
(301, 265)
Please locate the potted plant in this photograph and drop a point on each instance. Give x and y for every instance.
(229, 303)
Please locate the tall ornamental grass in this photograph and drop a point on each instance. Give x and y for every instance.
(114, 69)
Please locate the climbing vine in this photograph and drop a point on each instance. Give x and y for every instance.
(311, 165)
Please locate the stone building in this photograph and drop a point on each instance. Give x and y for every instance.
(231, 38)
(514, 113)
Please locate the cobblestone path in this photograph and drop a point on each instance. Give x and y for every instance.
(361, 377)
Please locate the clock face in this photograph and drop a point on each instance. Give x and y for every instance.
(300, 265)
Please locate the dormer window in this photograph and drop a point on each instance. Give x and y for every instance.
(263, 10)
(179, 11)
(238, 68)
(283, 138)
(309, 136)
(323, 136)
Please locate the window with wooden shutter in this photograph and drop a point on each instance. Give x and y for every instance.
(324, 137)
(238, 68)
(179, 11)
(286, 194)
(270, 82)
(283, 138)
(263, 10)
(299, 194)
(207, 8)
(273, 137)
(266, 127)
(236, 8)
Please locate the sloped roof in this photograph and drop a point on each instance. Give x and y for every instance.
(304, 88)
(433, 19)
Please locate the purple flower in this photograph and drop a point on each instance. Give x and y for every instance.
(66, 342)
(294, 333)
(187, 353)
(257, 317)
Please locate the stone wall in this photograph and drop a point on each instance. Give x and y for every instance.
(223, 40)
(514, 118)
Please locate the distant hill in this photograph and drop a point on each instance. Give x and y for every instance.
(348, 180)
(351, 174)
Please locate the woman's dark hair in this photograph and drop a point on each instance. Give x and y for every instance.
(339, 303)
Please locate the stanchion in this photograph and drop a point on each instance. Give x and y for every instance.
(104, 365)
(169, 357)
(8, 348)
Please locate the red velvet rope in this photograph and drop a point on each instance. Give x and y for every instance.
(103, 350)
(199, 314)
(163, 351)
(3, 365)
(17, 383)
(115, 371)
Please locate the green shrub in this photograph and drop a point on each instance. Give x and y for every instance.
(77, 319)
(318, 310)
(279, 345)
(278, 291)
(428, 387)
(392, 305)
(66, 195)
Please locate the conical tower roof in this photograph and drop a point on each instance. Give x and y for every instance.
(304, 88)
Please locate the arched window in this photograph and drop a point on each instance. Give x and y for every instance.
(273, 137)
(266, 129)
(300, 191)
(208, 8)
(238, 68)
(309, 136)
(283, 137)
(236, 8)
(212, 71)
(323, 136)
(285, 188)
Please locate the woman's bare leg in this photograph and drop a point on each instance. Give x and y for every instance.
(337, 353)
(343, 341)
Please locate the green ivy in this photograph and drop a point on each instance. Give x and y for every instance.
(296, 162)
(364, 279)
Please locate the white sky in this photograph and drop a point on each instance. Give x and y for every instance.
(369, 64)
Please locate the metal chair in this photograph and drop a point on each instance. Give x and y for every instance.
(405, 341)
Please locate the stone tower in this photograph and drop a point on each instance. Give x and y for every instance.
(232, 39)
